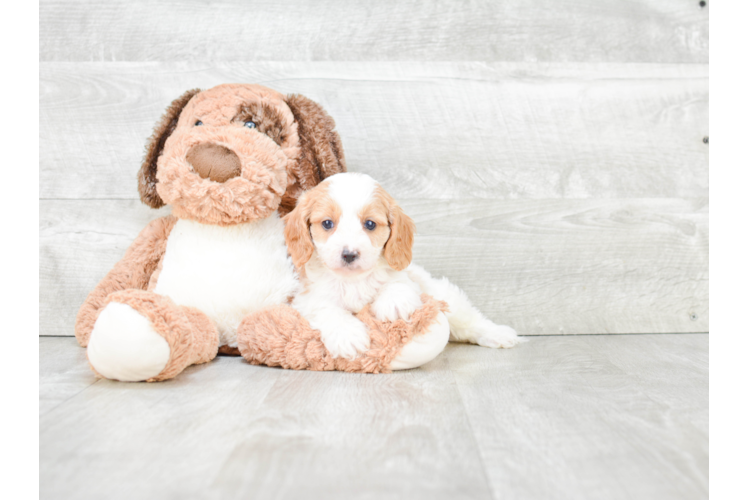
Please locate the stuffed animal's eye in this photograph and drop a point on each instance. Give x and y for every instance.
(370, 225)
(198, 123)
(327, 224)
(250, 124)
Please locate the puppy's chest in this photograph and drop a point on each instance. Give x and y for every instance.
(356, 297)
(227, 272)
(350, 295)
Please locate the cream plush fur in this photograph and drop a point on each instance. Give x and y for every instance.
(124, 345)
(227, 271)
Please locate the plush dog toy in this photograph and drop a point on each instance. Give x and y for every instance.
(229, 161)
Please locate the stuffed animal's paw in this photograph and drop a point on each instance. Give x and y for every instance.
(396, 301)
(124, 345)
(498, 336)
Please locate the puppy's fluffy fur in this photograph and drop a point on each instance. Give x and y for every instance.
(352, 245)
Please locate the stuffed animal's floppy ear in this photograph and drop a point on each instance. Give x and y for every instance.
(399, 247)
(154, 148)
(321, 149)
(298, 237)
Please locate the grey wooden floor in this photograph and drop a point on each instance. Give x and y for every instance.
(600, 417)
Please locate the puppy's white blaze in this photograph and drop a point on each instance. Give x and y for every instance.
(352, 192)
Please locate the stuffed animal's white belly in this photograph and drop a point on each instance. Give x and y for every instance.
(227, 272)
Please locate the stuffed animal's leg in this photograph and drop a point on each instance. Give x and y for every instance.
(140, 335)
(466, 322)
(280, 336)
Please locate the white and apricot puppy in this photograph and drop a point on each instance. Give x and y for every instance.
(351, 243)
(353, 246)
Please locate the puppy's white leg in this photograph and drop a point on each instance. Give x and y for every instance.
(344, 335)
(466, 323)
(396, 301)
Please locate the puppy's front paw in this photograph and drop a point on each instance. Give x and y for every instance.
(498, 336)
(346, 339)
(396, 302)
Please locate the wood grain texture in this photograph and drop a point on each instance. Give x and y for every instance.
(614, 417)
(573, 266)
(64, 372)
(666, 31)
(605, 417)
(228, 429)
(425, 130)
(79, 242)
(541, 266)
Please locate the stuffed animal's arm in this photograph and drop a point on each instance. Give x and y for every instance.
(133, 271)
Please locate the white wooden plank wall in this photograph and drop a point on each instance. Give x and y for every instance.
(551, 153)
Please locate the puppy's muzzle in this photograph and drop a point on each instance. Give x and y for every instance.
(213, 161)
(349, 255)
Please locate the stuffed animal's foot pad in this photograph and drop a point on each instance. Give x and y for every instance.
(498, 336)
(125, 346)
(423, 348)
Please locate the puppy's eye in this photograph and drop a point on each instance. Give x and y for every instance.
(327, 224)
(198, 123)
(250, 124)
(370, 225)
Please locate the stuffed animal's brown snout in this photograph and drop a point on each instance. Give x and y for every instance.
(215, 162)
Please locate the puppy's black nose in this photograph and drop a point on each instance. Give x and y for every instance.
(349, 256)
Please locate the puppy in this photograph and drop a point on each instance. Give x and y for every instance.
(352, 245)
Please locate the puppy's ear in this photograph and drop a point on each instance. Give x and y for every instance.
(399, 247)
(155, 146)
(298, 237)
(321, 149)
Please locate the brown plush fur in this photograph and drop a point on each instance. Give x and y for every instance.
(226, 350)
(134, 271)
(253, 195)
(191, 335)
(280, 336)
(268, 120)
(154, 147)
(321, 150)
